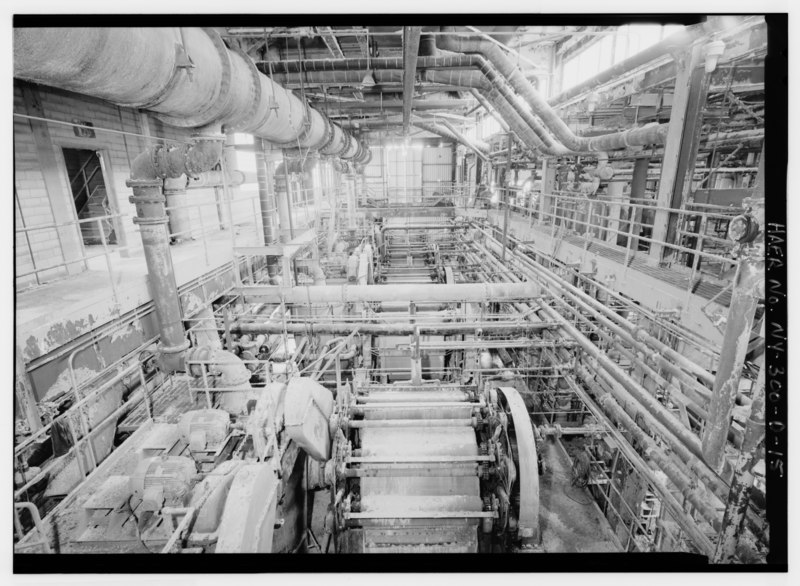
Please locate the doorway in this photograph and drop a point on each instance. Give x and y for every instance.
(89, 194)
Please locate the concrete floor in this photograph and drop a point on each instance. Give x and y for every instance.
(52, 314)
(570, 520)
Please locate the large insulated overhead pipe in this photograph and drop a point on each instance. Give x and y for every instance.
(389, 328)
(187, 77)
(487, 79)
(351, 77)
(474, 144)
(480, 149)
(650, 134)
(469, 292)
(337, 142)
(488, 107)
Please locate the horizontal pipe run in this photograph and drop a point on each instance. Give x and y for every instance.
(384, 423)
(690, 461)
(390, 472)
(685, 520)
(422, 515)
(400, 227)
(388, 459)
(362, 408)
(187, 77)
(390, 329)
(628, 389)
(673, 471)
(671, 357)
(462, 292)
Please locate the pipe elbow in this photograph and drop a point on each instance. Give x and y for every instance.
(142, 167)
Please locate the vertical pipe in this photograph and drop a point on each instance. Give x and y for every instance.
(505, 199)
(284, 210)
(615, 189)
(152, 220)
(26, 400)
(744, 299)
(548, 185)
(222, 210)
(178, 212)
(351, 202)
(266, 199)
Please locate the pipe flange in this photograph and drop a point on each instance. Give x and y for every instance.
(171, 358)
(350, 138)
(134, 183)
(199, 354)
(220, 100)
(192, 170)
(266, 118)
(150, 221)
(148, 198)
(155, 161)
(329, 133)
(237, 123)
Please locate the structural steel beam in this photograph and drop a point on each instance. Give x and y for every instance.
(746, 293)
(680, 148)
(411, 35)
(330, 41)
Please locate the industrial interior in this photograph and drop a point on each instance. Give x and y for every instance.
(393, 289)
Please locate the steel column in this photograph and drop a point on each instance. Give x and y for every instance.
(411, 36)
(746, 293)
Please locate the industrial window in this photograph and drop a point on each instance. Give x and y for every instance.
(611, 48)
(484, 128)
(89, 194)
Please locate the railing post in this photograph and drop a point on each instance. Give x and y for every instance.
(109, 265)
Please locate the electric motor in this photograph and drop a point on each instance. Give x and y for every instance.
(163, 481)
(204, 429)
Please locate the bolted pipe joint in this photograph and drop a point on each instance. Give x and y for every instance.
(162, 162)
(148, 171)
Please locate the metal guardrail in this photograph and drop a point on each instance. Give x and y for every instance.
(203, 232)
(86, 431)
(591, 220)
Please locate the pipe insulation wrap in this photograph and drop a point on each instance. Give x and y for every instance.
(650, 134)
(187, 77)
(136, 67)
